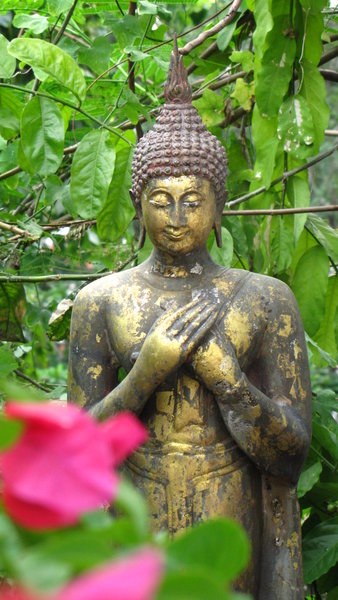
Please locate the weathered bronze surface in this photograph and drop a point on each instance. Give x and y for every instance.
(215, 358)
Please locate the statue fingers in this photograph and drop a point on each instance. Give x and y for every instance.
(195, 331)
(185, 315)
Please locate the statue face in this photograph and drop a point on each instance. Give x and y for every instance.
(178, 212)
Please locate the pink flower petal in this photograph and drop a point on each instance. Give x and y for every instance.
(125, 433)
(136, 577)
(63, 464)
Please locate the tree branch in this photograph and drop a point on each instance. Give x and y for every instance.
(328, 56)
(10, 173)
(285, 175)
(280, 211)
(215, 29)
(22, 375)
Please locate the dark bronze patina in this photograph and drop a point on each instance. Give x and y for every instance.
(215, 358)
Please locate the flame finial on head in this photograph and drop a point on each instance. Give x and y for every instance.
(177, 89)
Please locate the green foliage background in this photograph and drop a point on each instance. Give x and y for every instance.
(79, 81)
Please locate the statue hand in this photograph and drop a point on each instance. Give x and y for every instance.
(215, 364)
(174, 336)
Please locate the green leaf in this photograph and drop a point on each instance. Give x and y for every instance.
(327, 438)
(320, 549)
(126, 30)
(313, 45)
(325, 234)
(244, 93)
(12, 306)
(309, 286)
(277, 63)
(10, 112)
(295, 127)
(42, 136)
(281, 244)
(325, 336)
(223, 256)
(59, 322)
(52, 60)
(118, 211)
(130, 501)
(298, 192)
(314, 91)
(10, 429)
(266, 144)
(245, 58)
(7, 62)
(224, 36)
(147, 8)
(210, 106)
(219, 547)
(191, 584)
(56, 7)
(309, 477)
(91, 172)
(35, 23)
(7, 362)
(96, 57)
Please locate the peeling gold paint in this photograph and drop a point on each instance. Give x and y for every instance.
(96, 371)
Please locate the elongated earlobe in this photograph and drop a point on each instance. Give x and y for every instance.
(218, 232)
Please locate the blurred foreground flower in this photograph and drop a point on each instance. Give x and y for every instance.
(135, 577)
(63, 464)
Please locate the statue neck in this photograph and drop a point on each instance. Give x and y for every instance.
(195, 264)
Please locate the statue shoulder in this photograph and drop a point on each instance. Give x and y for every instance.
(99, 291)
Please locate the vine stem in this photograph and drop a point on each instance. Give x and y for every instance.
(22, 375)
(281, 211)
(285, 175)
(65, 23)
(215, 29)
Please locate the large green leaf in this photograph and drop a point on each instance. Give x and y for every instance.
(56, 7)
(91, 172)
(320, 549)
(118, 211)
(325, 234)
(277, 63)
(36, 23)
(295, 127)
(298, 192)
(10, 430)
(7, 62)
(223, 256)
(219, 547)
(52, 60)
(10, 113)
(281, 244)
(191, 584)
(210, 106)
(309, 477)
(42, 136)
(7, 361)
(309, 286)
(314, 91)
(266, 144)
(326, 334)
(12, 306)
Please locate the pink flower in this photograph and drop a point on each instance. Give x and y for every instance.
(63, 464)
(135, 577)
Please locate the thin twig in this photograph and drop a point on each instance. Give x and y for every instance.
(10, 173)
(32, 381)
(328, 56)
(119, 7)
(64, 276)
(215, 29)
(285, 175)
(280, 211)
(13, 229)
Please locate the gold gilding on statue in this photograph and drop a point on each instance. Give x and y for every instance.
(215, 358)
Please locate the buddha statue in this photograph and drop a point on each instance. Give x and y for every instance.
(215, 358)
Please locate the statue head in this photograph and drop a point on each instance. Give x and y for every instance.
(179, 149)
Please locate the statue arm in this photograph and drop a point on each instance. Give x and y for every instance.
(93, 366)
(270, 421)
(166, 346)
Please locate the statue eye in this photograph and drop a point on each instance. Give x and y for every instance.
(160, 200)
(192, 200)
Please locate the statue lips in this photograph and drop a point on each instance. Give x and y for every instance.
(175, 234)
